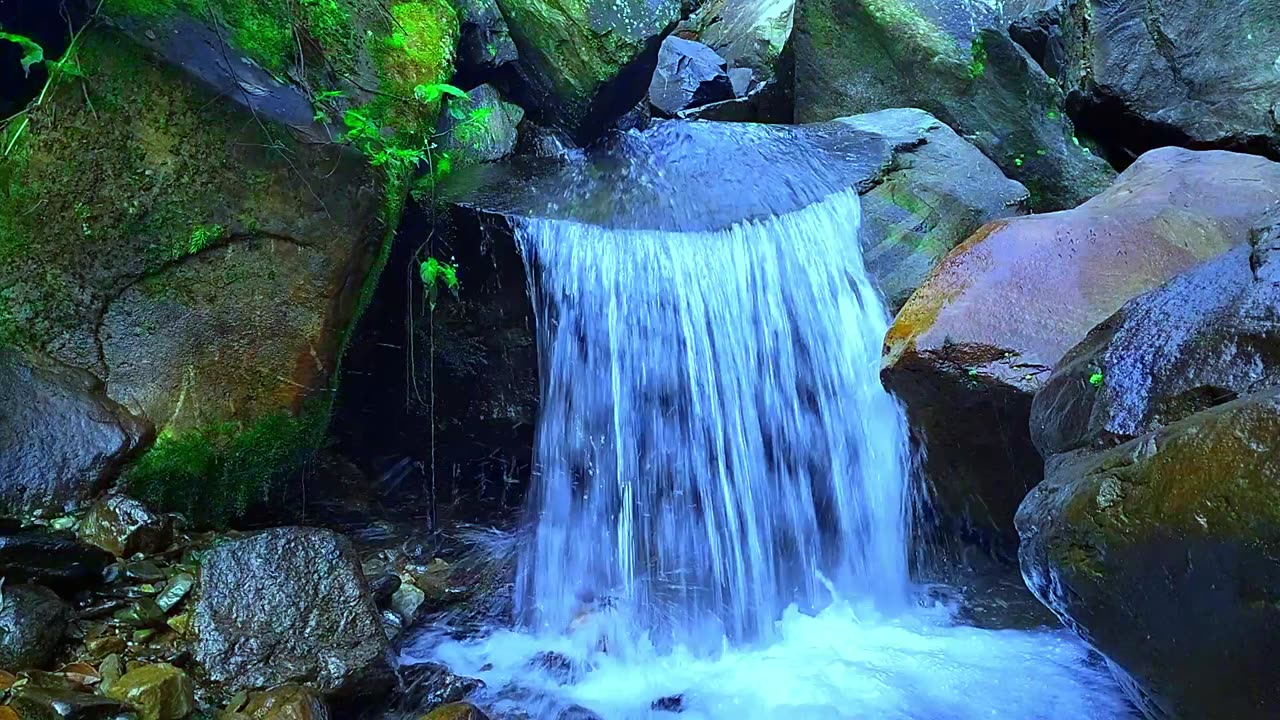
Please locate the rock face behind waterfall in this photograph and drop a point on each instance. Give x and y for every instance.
(1155, 532)
(924, 188)
(955, 60)
(983, 334)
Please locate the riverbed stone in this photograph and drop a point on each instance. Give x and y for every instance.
(456, 711)
(984, 333)
(32, 622)
(286, 702)
(123, 527)
(1160, 553)
(159, 692)
(286, 605)
(689, 75)
(55, 559)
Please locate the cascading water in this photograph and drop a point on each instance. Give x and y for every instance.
(720, 516)
(714, 439)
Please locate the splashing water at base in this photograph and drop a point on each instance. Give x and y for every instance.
(714, 444)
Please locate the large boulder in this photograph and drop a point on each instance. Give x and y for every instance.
(484, 43)
(754, 38)
(62, 440)
(1161, 553)
(189, 226)
(481, 127)
(970, 349)
(1208, 336)
(32, 621)
(587, 63)
(289, 605)
(689, 75)
(955, 60)
(937, 191)
(1185, 71)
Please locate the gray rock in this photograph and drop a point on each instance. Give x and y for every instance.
(938, 192)
(741, 79)
(689, 75)
(481, 128)
(289, 605)
(61, 439)
(48, 700)
(1204, 338)
(123, 526)
(55, 559)
(32, 621)
(1203, 69)
(954, 60)
(751, 34)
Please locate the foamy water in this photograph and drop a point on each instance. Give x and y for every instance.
(845, 662)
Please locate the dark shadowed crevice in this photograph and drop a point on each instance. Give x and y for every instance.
(50, 23)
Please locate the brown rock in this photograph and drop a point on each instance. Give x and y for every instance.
(973, 345)
(123, 526)
(287, 702)
(456, 711)
(159, 692)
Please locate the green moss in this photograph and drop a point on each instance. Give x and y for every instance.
(978, 61)
(216, 474)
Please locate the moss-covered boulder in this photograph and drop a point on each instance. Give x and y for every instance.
(481, 127)
(974, 344)
(196, 211)
(956, 61)
(1161, 553)
(586, 63)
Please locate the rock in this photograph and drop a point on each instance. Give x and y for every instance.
(1161, 553)
(289, 604)
(689, 75)
(145, 613)
(34, 702)
(754, 38)
(180, 239)
(670, 703)
(481, 128)
(749, 34)
(432, 684)
(456, 711)
(587, 63)
(54, 559)
(983, 334)
(383, 588)
(955, 61)
(287, 702)
(159, 692)
(1208, 336)
(577, 712)
(123, 527)
(175, 591)
(924, 188)
(1198, 73)
(485, 42)
(937, 192)
(407, 601)
(32, 621)
(62, 440)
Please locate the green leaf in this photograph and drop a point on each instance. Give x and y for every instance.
(432, 93)
(32, 53)
(1095, 379)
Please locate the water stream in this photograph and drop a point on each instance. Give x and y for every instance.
(721, 514)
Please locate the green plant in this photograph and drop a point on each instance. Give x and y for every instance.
(1095, 379)
(434, 274)
(32, 52)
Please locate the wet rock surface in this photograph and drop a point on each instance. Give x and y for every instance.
(285, 605)
(62, 440)
(1161, 553)
(52, 558)
(123, 526)
(689, 74)
(1207, 337)
(967, 353)
(159, 692)
(32, 621)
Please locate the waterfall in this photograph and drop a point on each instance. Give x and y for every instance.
(714, 444)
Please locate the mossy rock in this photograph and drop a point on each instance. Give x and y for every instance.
(1161, 554)
(205, 253)
(588, 61)
(865, 55)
